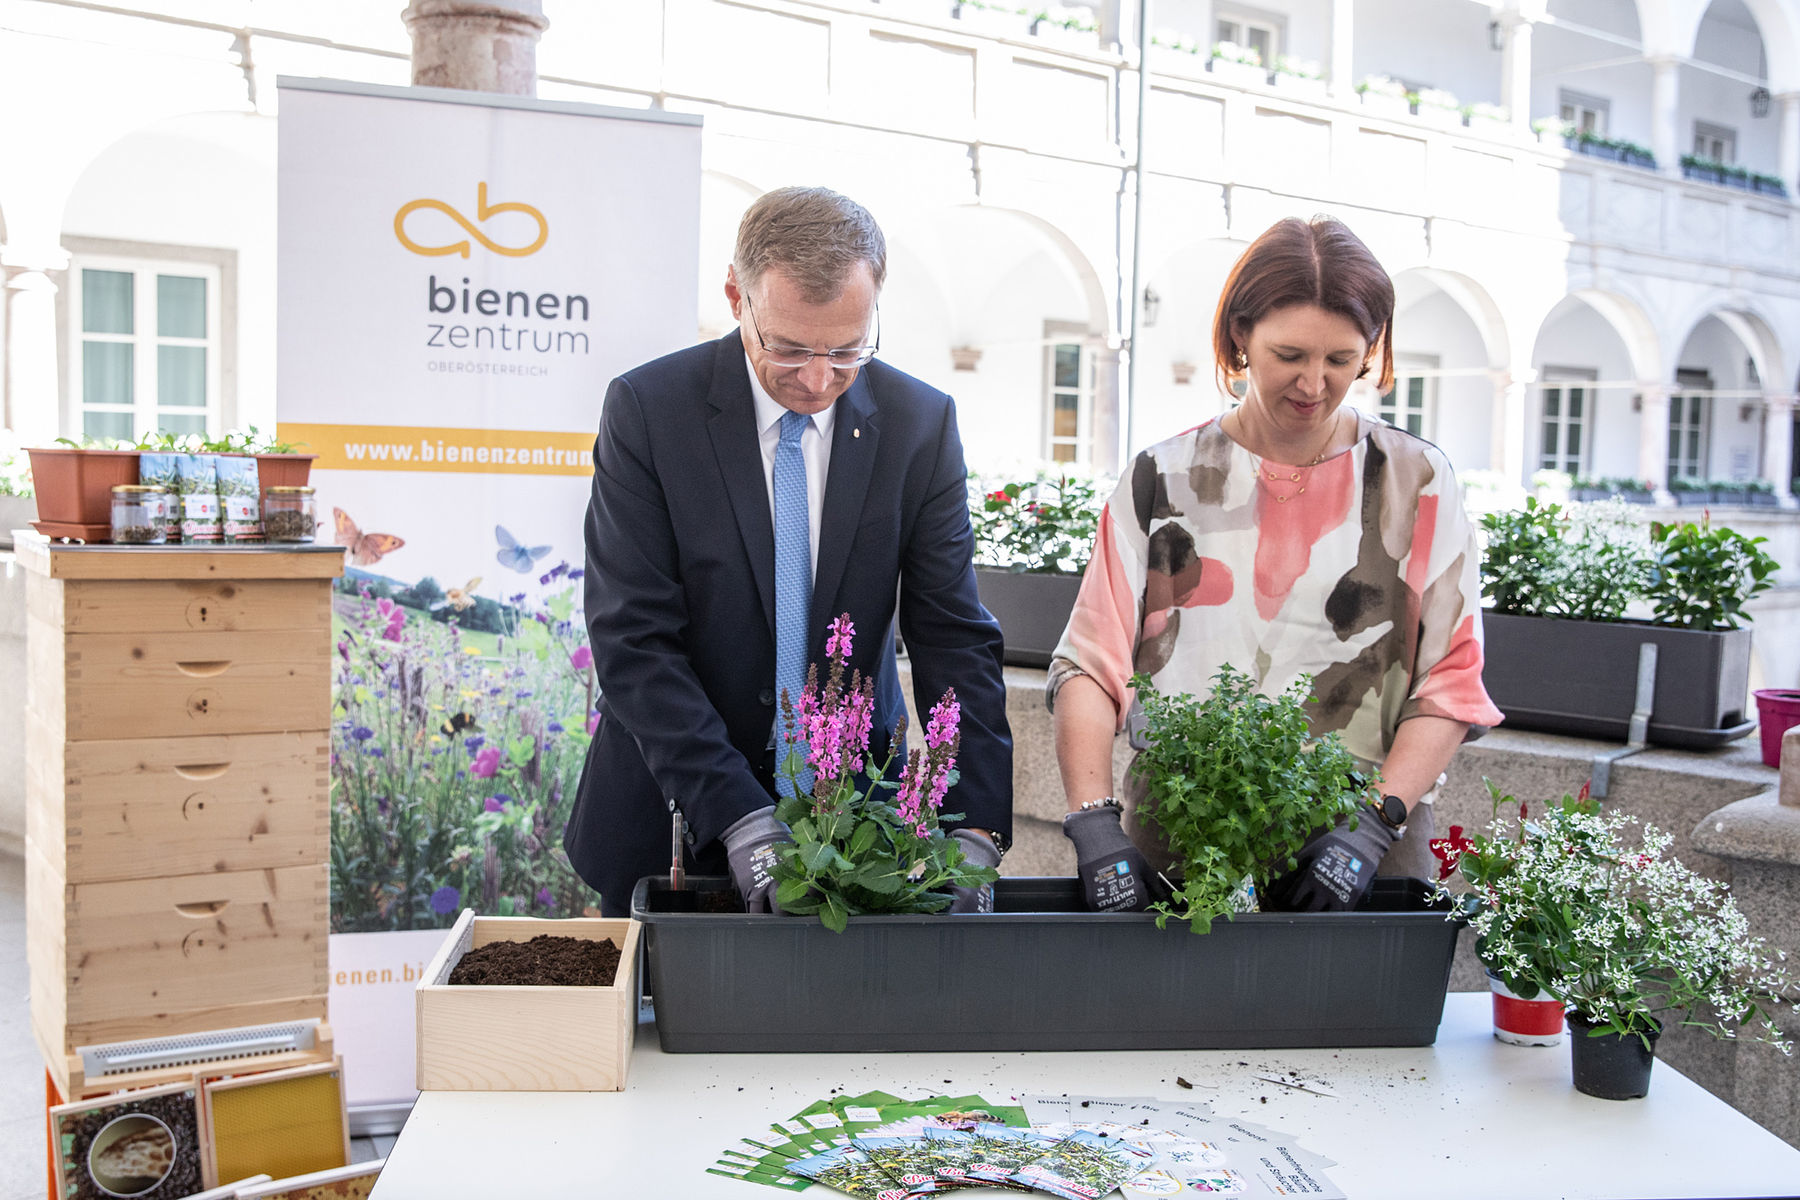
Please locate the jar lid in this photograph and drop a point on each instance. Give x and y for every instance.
(290, 491)
(138, 489)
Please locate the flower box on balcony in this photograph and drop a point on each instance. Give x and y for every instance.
(1238, 74)
(1042, 973)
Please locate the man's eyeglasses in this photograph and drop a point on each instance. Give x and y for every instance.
(848, 358)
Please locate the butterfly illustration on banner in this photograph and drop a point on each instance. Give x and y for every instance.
(515, 556)
(461, 599)
(365, 548)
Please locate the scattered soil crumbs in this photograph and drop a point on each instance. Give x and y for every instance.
(544, 961)
(719, 902)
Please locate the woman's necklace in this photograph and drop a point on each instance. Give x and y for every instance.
(1301, 475)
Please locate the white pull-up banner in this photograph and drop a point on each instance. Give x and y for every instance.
(460, 275)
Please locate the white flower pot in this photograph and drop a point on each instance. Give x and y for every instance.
(1524, 1022)
(1238, 74)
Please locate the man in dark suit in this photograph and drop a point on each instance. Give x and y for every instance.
(746, 492)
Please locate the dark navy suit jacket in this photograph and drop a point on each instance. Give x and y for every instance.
(680, 601)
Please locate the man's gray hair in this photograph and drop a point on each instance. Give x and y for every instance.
(813, 236)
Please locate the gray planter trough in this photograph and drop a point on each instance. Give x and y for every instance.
(1580, 678)
(1032, 610)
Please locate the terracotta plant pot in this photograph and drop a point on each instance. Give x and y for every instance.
(74, 487)
(1525, 1022)
(1777, 711)
(283, 470)
(1610, 1066)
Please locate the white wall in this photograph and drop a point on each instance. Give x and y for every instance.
(1437, 44)
(1433, 324)
(207, 180)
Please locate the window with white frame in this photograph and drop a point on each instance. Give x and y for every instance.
(145, 347)
(1567, 404)
(1690, 418)
(1411, 404)
(1716, 142)
(1069, 396)
(1586, 113)
(1250, 28)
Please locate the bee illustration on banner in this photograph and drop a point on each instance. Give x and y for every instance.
(365, 548)
(461, 599)
(458, 723)
(515, 556)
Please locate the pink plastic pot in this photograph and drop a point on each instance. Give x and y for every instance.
(1777, 711)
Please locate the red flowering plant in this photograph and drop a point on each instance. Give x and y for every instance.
(1045, 526)
(865, 843)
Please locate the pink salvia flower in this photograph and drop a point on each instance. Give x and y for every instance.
(945, 718)
(838, 644)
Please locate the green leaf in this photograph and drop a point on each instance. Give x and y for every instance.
(790, 892)
(836, 917)
(520, 750)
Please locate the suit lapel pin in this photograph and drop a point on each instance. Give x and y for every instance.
(856, 433)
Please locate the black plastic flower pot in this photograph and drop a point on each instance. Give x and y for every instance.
(1611, 1066)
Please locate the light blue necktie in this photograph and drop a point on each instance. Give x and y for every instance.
(793, 581)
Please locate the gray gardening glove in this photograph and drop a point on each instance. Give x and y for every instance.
(750, 845)
(1114, 875)
(1336, 867)
(980, 851)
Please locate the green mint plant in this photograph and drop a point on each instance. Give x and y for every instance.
(1616, 928)
(1702, 577)
(864, 843)
(1238, 783)
(1522, 545)
(1044, 526)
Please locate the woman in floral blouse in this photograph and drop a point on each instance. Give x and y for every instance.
(1290, 536)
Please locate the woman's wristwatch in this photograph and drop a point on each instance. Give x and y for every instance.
(1392, 811)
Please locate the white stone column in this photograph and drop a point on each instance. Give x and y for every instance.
(32, 396)
(1653, 441)
(476, 45)
(1789, 149)
(1665, 114)
(1778, 445)
(1509, 456)
(1106, 417)
(1343, 49)
(1515, 69)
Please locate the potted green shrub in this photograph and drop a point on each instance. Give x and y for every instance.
(1384, 96)
(74, 482)
(1238, 782)
(1438, 107)
(1691, 493)
(1568, 589)
(1302, 76)
(1578, 907)
(1032, 541)
(1242, 65)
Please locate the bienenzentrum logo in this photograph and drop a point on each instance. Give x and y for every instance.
(483, 210)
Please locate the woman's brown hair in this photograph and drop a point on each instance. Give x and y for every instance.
(1316, 262)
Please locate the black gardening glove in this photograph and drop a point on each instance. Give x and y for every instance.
(1336, 866)
(1114, 875)
(750, 846)
(978, 850)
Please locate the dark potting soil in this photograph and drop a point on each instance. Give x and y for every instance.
(544, 961)
(719, 902)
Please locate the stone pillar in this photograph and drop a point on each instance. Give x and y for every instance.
(1665, 114)
(1788, 151)
(1343, 49)
(1653, 442)
(32, 395)
(476, 45)
(1778, 449)
(1515, 70)
(1509, 454)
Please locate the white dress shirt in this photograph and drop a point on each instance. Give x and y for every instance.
(815, 448)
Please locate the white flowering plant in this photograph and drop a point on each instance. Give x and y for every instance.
(1571, 905)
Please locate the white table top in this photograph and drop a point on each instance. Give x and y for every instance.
(1469, 1117)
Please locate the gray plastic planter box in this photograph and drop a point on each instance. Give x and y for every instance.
(1032, 610)
(1041, 973)
(1580, 678)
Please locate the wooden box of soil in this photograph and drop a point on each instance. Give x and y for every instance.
(513, 1038)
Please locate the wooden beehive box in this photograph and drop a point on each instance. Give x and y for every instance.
(177, 813)
(526, 1039)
